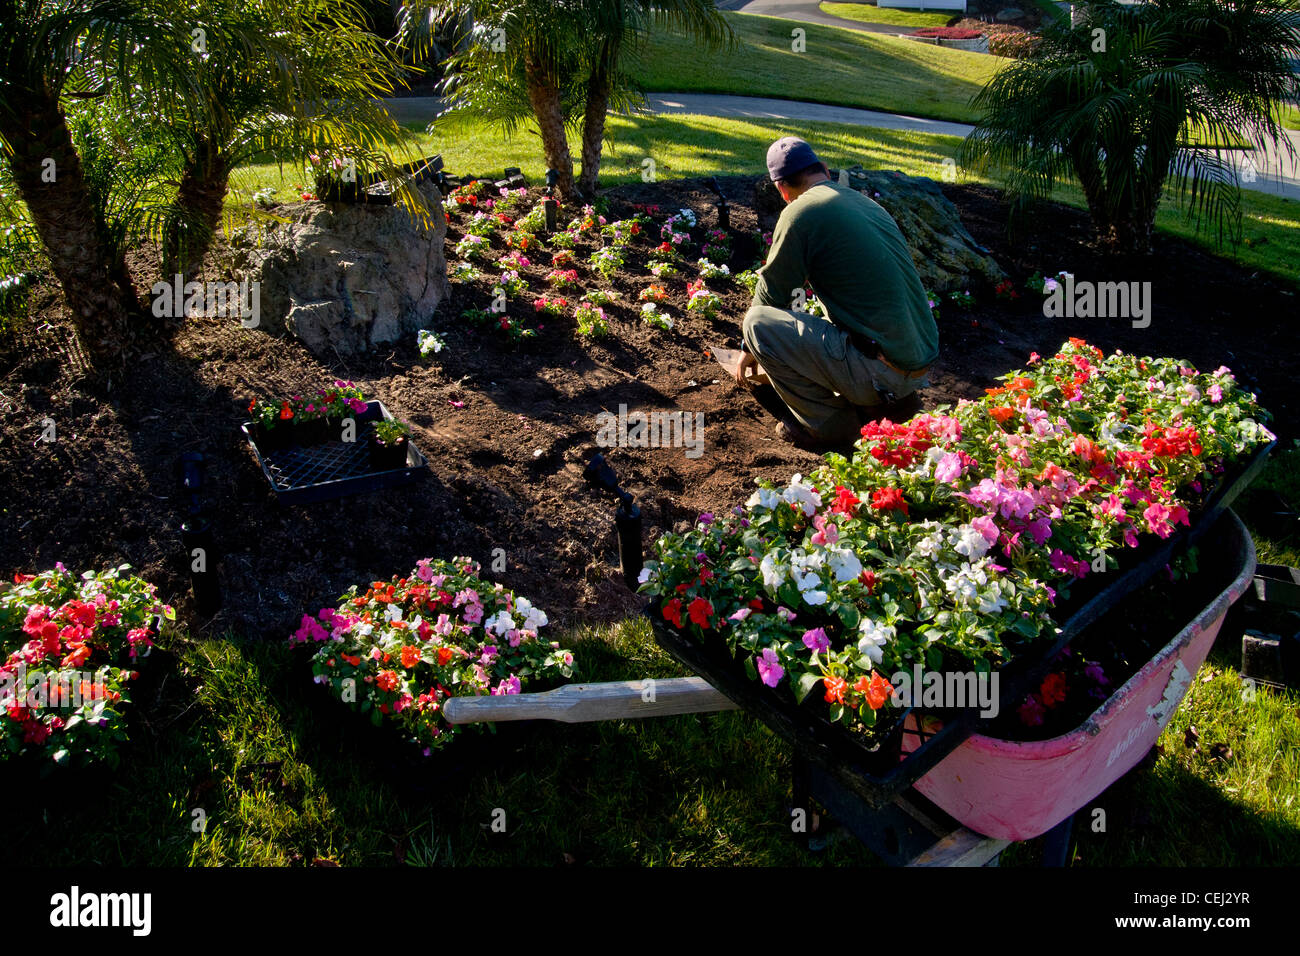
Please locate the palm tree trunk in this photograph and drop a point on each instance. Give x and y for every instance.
(47, 172)
(599, 88)
(199, 204)
(544, 96)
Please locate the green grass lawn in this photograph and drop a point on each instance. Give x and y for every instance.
(839, 66)
(688, 146)
(870, 13)
(283, 776)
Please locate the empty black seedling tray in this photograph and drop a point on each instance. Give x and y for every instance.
(333, 469)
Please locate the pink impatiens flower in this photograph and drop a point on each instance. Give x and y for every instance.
(949, 468)
(816, 639)
(1031, 712)
(827, 533)
(770, 671)
(987, 527)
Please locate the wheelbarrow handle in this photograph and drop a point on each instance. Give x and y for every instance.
(582, 703)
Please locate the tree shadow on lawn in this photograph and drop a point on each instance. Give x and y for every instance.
(1165, 815)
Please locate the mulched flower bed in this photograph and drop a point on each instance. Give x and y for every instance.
(508, 424)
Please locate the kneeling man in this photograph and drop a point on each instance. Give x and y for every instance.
(868, 359)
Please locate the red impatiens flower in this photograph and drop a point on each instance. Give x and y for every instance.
(444, 656)
(876, 689)
(77, 657)
(285, 411)
(700, 610)
(868, 579)
(835, 688)
(845, 501)
(410, 656)
(673, 612)
(889, 499)
(1053, 690)
(387, 680)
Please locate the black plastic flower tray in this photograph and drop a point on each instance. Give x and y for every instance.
(878, 775)
(333, 469)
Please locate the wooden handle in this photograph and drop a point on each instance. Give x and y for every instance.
(582, 703)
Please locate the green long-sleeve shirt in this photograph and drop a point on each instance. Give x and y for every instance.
(851, 253)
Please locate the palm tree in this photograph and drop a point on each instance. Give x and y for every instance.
(1130, 97)
(55, 51)
(559, 63)
(620, 27)
(516, 59)
(314, 94)
(48, 49)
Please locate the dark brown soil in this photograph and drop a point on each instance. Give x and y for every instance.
(106, 491)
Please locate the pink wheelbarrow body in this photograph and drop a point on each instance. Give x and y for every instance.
(1019, 790)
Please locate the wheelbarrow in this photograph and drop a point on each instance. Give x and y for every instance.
(950, 797)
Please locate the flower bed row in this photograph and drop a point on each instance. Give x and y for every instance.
(398, 649)
(680, 239)
(71, 646)
(947, 541)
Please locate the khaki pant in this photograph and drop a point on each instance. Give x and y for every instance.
(819, 373)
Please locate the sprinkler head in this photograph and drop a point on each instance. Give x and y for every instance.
(192, 471)
(600, 476)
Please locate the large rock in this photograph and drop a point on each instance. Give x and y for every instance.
(946, 255)
(344, 277)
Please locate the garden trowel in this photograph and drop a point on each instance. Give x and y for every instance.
(730, 358)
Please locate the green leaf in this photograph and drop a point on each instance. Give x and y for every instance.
(788, 595)
(837, 712)
(934, 658)
(807, 681)
(850, 615)
(750, 670)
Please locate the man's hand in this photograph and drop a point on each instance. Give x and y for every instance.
(745, 363)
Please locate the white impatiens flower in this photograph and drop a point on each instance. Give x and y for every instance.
(872, 636)
(773, 573)
(803, 495)
(801, 560)
(500, 623)
(969, 542)
(644, 576)
(809, 585)
(965, 584)
(929, 546)
(991, 601)
(1112, 430)
(844, 564)
(393, 613)
(764, 498)
(534, 617)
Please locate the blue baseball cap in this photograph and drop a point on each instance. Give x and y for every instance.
(789, 156)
